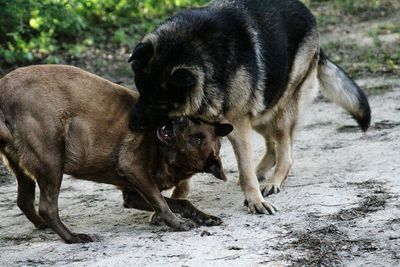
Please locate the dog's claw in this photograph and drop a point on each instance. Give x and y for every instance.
(184, 225)
(208, 220)
(261, 208)
(271, 189)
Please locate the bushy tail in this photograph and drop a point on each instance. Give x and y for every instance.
(338, 87)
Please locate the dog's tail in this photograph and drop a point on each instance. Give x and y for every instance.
(5, 134)
(338, 87)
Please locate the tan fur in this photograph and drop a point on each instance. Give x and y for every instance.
(276, 125)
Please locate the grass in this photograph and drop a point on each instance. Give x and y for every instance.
(365, 60)
(338, 11)
(380, 89)
(386, 28)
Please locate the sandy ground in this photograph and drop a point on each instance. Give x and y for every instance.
(340, 206)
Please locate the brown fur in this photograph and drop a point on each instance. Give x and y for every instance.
(61, 119)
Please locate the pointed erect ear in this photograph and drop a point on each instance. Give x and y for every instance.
(141, 55)
(223, 129)
(214, 166)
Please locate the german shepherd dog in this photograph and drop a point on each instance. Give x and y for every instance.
(253, 63)
(61, 119)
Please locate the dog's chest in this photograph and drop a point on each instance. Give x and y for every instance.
(170, 177)
(165, 179)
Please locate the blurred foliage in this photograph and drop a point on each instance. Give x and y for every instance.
(37, 30)
(331, 12)
(49, 31)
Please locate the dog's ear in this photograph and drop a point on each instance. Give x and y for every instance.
(223, 129)
(141, 55)
(214, 166)
(180, 79)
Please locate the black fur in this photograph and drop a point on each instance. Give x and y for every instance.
(218, 40)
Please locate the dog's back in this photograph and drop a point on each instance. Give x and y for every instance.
(58, 89)
(275, 30)
(49, 109)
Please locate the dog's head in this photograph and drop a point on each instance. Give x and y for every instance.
(183, 68)
(193, 146)
(166, 84)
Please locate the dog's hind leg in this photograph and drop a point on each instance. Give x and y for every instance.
(26, 195)
(49, 178)
(284, 161)
(284, 124)
(241, 142)
(269, 158)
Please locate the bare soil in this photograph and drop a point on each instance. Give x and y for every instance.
(340, 206)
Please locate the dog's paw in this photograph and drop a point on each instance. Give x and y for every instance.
(271, 188)
(156, 219)
(184, 225)
(260, 208)
(80, 238)
(207, 220)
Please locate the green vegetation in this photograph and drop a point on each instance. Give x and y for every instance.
(97, 35)
(380, 89)
(329, 12)
(39, 30)
(365, 59)
(386, 28)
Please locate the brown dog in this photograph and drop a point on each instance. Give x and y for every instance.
(61, 119)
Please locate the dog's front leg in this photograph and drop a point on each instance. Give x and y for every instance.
(181, 206)
(241, 142)
(181, 191)
(148, 190)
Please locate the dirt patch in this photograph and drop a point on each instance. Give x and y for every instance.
(374, 198)
(325, 241)
(327, 246)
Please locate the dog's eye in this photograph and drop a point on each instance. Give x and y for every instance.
(198, 138)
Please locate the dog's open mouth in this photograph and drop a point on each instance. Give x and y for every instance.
(165, 133)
